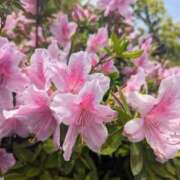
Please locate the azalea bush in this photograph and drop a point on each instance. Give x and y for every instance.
(83, 96)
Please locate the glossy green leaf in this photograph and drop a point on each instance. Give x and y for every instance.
(46, 176)
(136, 158)
(132, 54)
(48, 146)
(113, 142)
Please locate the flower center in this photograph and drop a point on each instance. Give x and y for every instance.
(84, 118)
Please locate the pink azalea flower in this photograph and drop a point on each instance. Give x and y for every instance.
(84, 115)
(11, 77)
(160, 119)
(63, 30)
(123, 7)
(71, 77)
(135, 82)
(35, 112)
(97, 41)
(7, 160)
(30, 5)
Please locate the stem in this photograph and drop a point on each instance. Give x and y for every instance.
(101, 61)
(37, 23)
(118, 101)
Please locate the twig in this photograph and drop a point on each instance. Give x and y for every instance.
(37, 23)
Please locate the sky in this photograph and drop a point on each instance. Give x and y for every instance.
(173, 8)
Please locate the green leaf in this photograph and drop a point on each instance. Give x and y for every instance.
(136, 159)
(46, 176)
(92, 176)
(22, 154)
(119, 44)
(123, 116)
(15, 176)
(113, 142)
(33, 172)
(37, 152)
(132, 54)
(162, 171)
(48, 146)
(52, 161)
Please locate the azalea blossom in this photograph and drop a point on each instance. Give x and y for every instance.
(36, 114)
(7, 160)
(63, 30)
(84, 115)
(97, 41)
(123, 7)
(11, 77)
(160, 119)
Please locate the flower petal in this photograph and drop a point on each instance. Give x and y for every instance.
(134, 130)
(69, 142)
(94, 135)
(7, 160)
(142, 103)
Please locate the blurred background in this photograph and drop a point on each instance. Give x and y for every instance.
(161, 19)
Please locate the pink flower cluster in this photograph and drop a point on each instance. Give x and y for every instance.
(39, 109)
(159, 121)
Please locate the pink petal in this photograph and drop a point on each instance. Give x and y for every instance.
(39, 120)
(11, 125)
(142, 103)
(56, 137)
(135, 82)
(69, 142)
(7, 160)
(134, 130)
(79, 66)
(94, 135)
(98, 40)
(37, 71)
(104, 113)
(63, 107)
(90, 94)
(6, 99)
(109, 67)
(103, 80)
